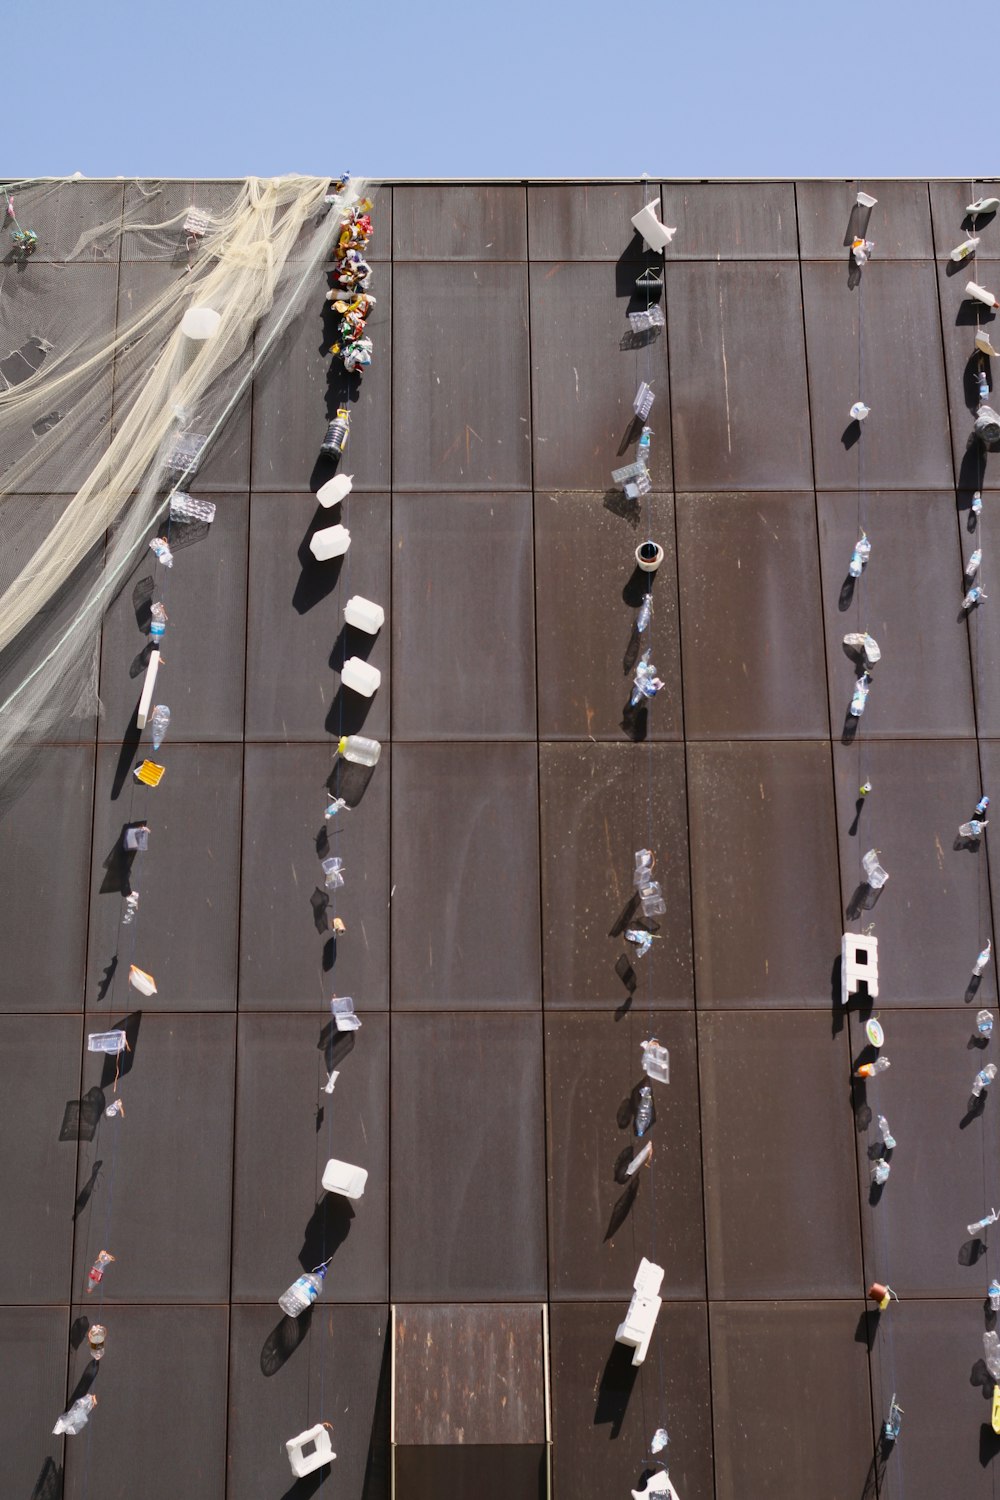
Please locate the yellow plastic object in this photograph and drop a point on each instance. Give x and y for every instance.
(995, 1414)
(149, 773)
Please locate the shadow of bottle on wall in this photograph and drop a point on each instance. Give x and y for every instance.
(615, 1389)
(282, 1342)
(327, 1229)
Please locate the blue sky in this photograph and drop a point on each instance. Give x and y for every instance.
(443, 89)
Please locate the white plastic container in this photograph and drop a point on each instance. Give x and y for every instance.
(973, 289)
(637, 1329)
(655, 234)
(320, 1450)
(340, 1177)
(200, 323)
(333, 542)
(363, 614)
(336, 489)
(360, 676)
(865, 200)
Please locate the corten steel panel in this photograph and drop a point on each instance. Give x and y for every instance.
(290, 959)
(56, 306)
(185, 932)
(205, 596)
(64, 215)
(909, 597)
(297, 637)
(770, 1232)
(584, 377)
(750, 617)
(32, 1394)
(460, 368)
(932, 917)
(487, 221)
(989, 752)
(944, 1165)
(599, 1218)
(731, 220)
(464, 617)
(898, 371)
(588, 592)
(300, 388)
(159, 1424)
(152, 201)
(934, 1364)
(467, 1159)
(899, 224)
(961, 316)
(41, 1082)
(469, 1374)
(287, 1129)
(764, 873)
(604, 1410)
(153, 1187)
(587, 221)
(737, 359)
(465, 877)
(952, 225)
(984, 635)
(226, 464)
(285, 1375)
(598, 804)
(45, 836)
(790, 1399)
(468, 1472)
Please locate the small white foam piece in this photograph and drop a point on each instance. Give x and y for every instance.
(360, 676)
(146, 696)
(865, 200)
(637, 1328)
(333, 542)
(330, 1083)
(336, 489)
(200, 323)
(341, 1178)
(858, 961)
(647, 222)
(317, 1440)
(364, 615)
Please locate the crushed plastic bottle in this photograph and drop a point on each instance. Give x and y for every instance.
(96, 1273)
(984, 1023)
(859, 557)
(983, 959)
(342, 1011)
(638, 1160)
(859, 411)
(642, 939)
(333, 872)
(97, 1337)
(888, 1139)
(131, 908)
(972, 566)
(644, 1111)
(991, 1353)
(660, 1440)
(116, 1108)
(874, 873)
(983, 385)
(965, 249)
(334, 807)
(880, 1172)
(159, 723)
(161, 547)
(357, 748)
(645, 614)
(977, 504)
(303, 1291)
(983, 1079)
(859, 697)
(861, 250)
(157, 622)
(646, 682)
(655, 1061)
(982, 806)
(993, 1293)
(644, 451)
(73, 1421)
(985, 1223)
(872, 1069)
(973, 829)
(894, 1421)
(975, 596)
(863, 644)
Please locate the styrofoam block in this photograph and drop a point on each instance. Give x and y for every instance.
(336, 489)
(858, 961)
(317, 1440)
(364, 615)
(146, 696)
(340, 1177)
(333, 542)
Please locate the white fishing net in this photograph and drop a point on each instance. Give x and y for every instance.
(100, 417)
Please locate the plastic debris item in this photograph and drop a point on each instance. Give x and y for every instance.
(864, 789)
(861, 250)
(859, 557)
(872, 1069)
(642, 939)
(655, 234)
(335, 490)
(195, 226)
(96, 1273)
(645, 614)
(346, 1181)
(983, 385)
(310, 1450)
(972, 566)
(337, 925)
(161, 547)
(185, 454)
(646, 684)
(149, 773)
(973, 829)
(148, 688)
(975, 596)
(362, 614)
(644, 1111)
(97, 1337)
(993, 1293)
(660, 1440)
(980, 294)
(342, 1011)
(965, 249)
(642, 404)
(111, 1042)
(987, 425)
(874, 873)
(985, 1223)
(331, 1082)
(863, 644)
(984, 344)
(333, 875)
(358, 748)
(645, 318)
(184, 507)
(645, 447)
(626, 472)
(655, 1061)
(995, 1410)
(865, 200)
(337, 433)
(893, 1422)
(644, 861)
(637, 1161)
(159, 723)
(648, 556)
(888, 1139)
(333, 542)
(73, 1421)
(859, 697)
(982, 806)
(117, 1108)
(157, 622)
(983, 959)
(360, 676)
(880, 1172)
(984, 1023)
(25, 243)
(859, 964)
(651, 896)
(136, 837)
(131, 908)
(983, 206)
(882, 1294)
(141, 981)
(640, 485)
(977, 504)
(859, 411)
(636, 1329)
(303, 1291)
(874, 1031)
(334, 807)
(991, 1353)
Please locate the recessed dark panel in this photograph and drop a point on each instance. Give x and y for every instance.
(586, 221)
(287, 1129)
(291, 958)
(467, 1373)
(461, 419)
(280, 1387)
(472, 1472)
(584, 378)
(300, 388)
(153, 1186)
(467, 1176)
(589, 591)
(731, 220)
(32, 1395)
(465, 877)
(904, 443)
(297, 638)
(598, 804)
(485, 221)
(739, 556)
(464, 617)
(185, 931)
(601, 1221)
(778, 1370)
(65, 215)
(932, 917)
(764, 871)
(157, 1360)
(829, 219)
(604, 1411)
(734, 430)
(909, 598)
(769, 1084)
(45, 836)
(952, 225)
(205, 596)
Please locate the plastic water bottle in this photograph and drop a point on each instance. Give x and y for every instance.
(993, 1292)
(645, 446)
(991, 1353)
(363, 751)
(983, 1079)
(984, 385)
(161, 547)
(334, 807)
(642, 939)
(860, 695)
(97, 1337)
(880, 1172)
(972, 566)
(860, 555)
(646, 684)
(642, 619)
(975, 596)
(159, 723)
(872, 1069)
(982, 805)
(644, 1111)
(888, 1139)
(983, 959)
(157, 622)
(96, 1273)
(977, 504)
(893, 1422)
(984, 1023)
(973, 829)
(303, 1292)
(985, 1223)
